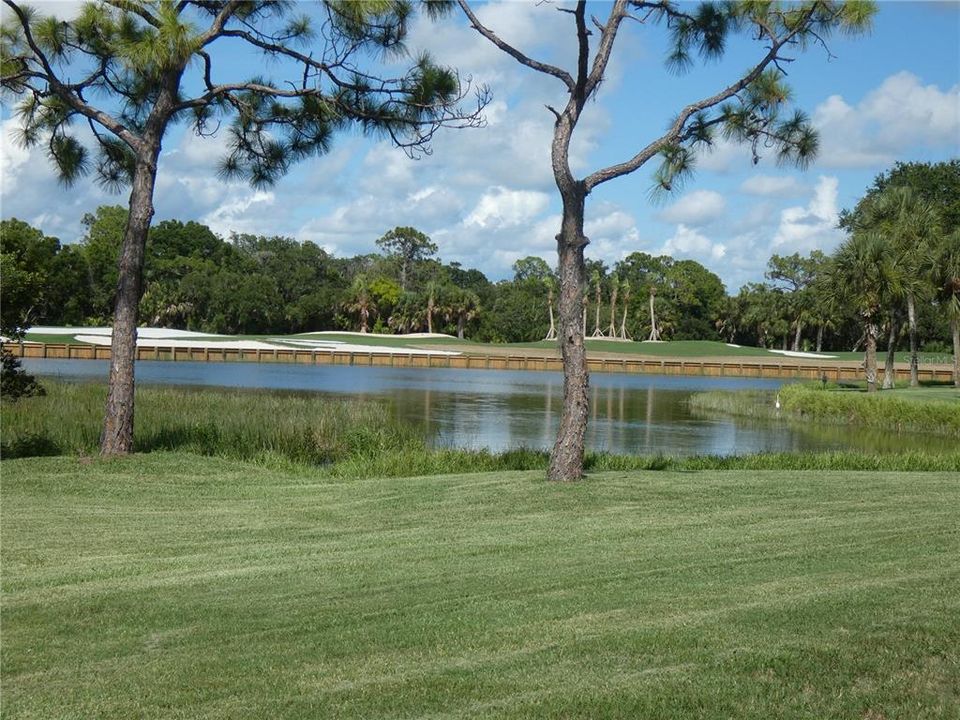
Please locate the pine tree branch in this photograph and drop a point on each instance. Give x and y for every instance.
(583, 51)
(513, 52)
(605, 47)
(676, 129)
(66, 93)
(137, 9)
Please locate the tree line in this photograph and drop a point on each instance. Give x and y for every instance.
(246, 284)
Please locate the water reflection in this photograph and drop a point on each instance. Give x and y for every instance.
(501, 409)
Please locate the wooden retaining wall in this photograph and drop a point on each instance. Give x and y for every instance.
(739, 367)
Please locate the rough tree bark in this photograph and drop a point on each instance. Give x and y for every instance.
(819, 337)
(870, 358)
(117, 435)
(888, 368)
(116, 438)
(566, 460)
(797, 334)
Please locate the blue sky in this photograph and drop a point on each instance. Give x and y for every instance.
(487, 198)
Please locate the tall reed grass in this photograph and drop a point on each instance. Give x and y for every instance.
(347, 439)
(882, 410)
(242, 424)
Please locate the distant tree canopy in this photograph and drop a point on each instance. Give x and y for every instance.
(258, 284)
(406, 246)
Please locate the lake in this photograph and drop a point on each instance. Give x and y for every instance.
(501, 409)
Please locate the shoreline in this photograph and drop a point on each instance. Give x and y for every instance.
(470, 358)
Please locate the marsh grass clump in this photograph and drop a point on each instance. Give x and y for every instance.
(899, 411)
(241, 424)
(351, 439)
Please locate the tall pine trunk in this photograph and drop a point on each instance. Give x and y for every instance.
(796, 337)
(117, 435)
(819, 338)
(566, 459)
(912, 320)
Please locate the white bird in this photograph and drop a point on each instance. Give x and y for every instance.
(777, 404)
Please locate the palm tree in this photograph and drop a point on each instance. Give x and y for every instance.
(595, 279)
(614, 289)
(434, 292)
(360, 301)
(463, 306)
(864, 275)
(946, 278)
(909, 223)
(407, 314)
(823, 312)
(893, 334)
(654, 329)
(550, 283)
(625, 286)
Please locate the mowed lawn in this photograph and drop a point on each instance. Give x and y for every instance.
(172, 586)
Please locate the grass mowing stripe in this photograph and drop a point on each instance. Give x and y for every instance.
(177, 586)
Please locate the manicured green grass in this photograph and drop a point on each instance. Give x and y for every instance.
(172, 586)
(924, 358)
(54, 339)
(936, 393)
(387, 340)
(672, 349)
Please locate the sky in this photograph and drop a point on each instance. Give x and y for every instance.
(486, 196)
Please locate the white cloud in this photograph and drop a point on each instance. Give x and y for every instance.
(687, 242)
(697, 208)
(501, 208)
(12, 155)
(242, 213)
(803, 229)
(899, 115)
(33, 193)
(388, 168)
(772, 185)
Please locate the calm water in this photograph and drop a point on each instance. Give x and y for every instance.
(499, 409)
